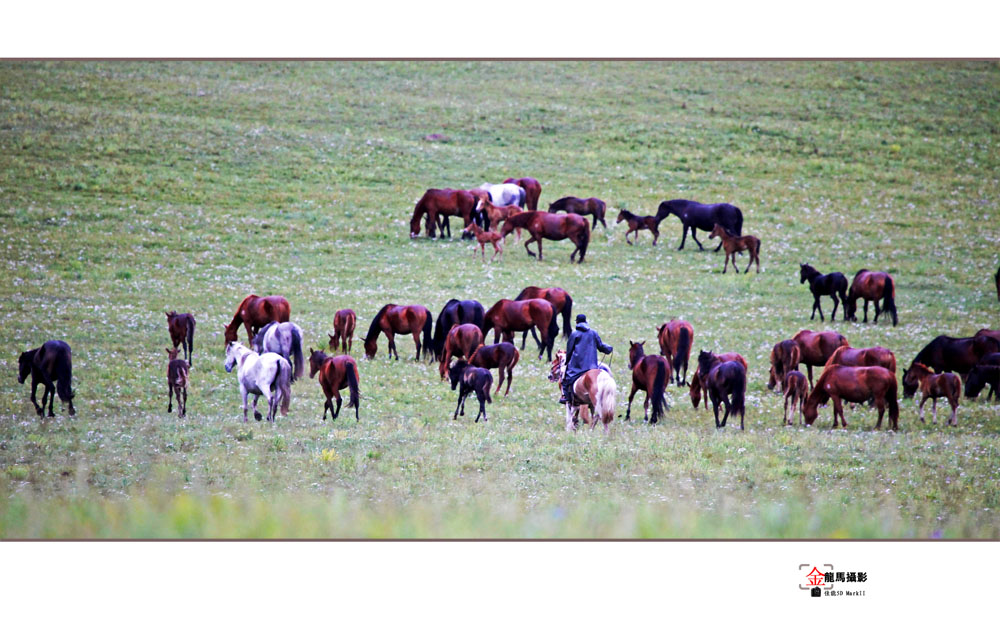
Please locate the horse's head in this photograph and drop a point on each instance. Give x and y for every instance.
(635, 352)
(621, 216)
(911, 380)
(802, 272)
(172, 353)
(851, 308)
(772, 379)
(455, 372)
(24, 365)
(170, 315)
(333, 341)
(810, 409)
(371, 347)
(717, 231)
(231, 351)
(316, 358)
(557, 371)
(229, 334)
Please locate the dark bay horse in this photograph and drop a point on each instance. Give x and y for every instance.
(572, 205)
(343, 330)
(51, 366)
(696, 390)
(638, 223)
(181, 327)
(507, 316)
(532, 190)
(796, 390)
(178, 371)
(785, 357)
(694, 216)
(676, 338)
(864, 357)
(723, 381)
(875, 286)
(734, 244)
(468, 379)
(500, 356)
(933, 386)
(255, 312)
(986, 372)
(455, 312)
(816, 348)
(462, 340)
(442, 202)
(857, 385)
(336, 373)
(400, 320)
(651, 374)
(956, 354)
(542, 225)
(561, 301)
(833, 285)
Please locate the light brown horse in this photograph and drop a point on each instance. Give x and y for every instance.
(785, 357)
(733, 244)
(864, 357)
(816, 348)
(177, 383)
(542, 225)
(874, 286)
(181, 327)
(933, 386)
(336, 373)
(400, 320)
(507, 316)
(854, 384)
(484, 238)
(497, 214)
(256, 312)
(532, 190)
(343, 330)
(638, 223)
(462, 340)
(696, 391)
(676, 339)
(500, 356)
(442, 202)
(651, 374)
(593, 390)
(796, 389)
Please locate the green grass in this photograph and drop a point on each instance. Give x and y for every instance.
(130, 189)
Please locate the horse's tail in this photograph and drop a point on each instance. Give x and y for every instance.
(297, 352)
(486, 388)
(63, 372)
(283, 382)
(567, 313)
(428, 326)
(738, 225)
(683, 352)
(889, 299)
(659, 383)
(441, 329)
(585, 241)
(606, 389)
(893, 403)
(351, 369)
(739, 393)
(517, 357)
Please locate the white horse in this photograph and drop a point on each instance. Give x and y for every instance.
(505, 194)
(593, 389)
(261, 374)
(284, 338)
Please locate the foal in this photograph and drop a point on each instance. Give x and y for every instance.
(933, 386)
(177, 382)
(468, 379)
(343, 330)
(797, 390)
(734, 244)
(638, 223)
(484, 238)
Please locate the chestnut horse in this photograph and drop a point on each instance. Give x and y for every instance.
(816, 348)
(500, 356)
(336, 373)
(832, 285)
(400, 320)
(957, 354)
(181, 327)
(562, 303)
(796, 390)
(733, 244)
(676, 338)
(854, 384)
(256, 312)
(696, 389)
(532, 190)
(572, 205)
(437, 202)
(638, 223)
(343, 330)
(785, 357)
(875, 286)
(507, 316)
(651, 374)
(724, 380)
(455, 312)
(177, 382)
(462, 340)
(933, 386)
(863, 357)
(542, 225)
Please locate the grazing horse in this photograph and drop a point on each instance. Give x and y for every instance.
(572, 205)
(676, 338)
(181, 327)
(874, 286)
(500, 356)
(284, 338)
(542, 225)
(696, 389)
(255, 312)
(343, 330)
(796, 390)
(956, 354)
(462, 340)
(816, 348)
(736, 243)
(980, 376)
(854, 384)
(594, 389)
(400, 320)
(51, 366)
(455, 312)
(723, 380)
(505, 194)
(268, 374)
(651, 374)
(177, 382)
(507, 316)
(336, 373)
(442, 202)
(470, 379)
(933, 386)
(785, 357)
(484, 238)
(562, 303)
(694, 216)
(638, 223)
(532, 190)
(864, 357)
(832, 285)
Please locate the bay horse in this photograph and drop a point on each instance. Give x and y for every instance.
(268, 374)
(284, 338)
(468, 379)
(500, 356)
(696, 390)
(864, 357)
(723, 381)
(694, 216)
(736, 243)
(676, 338)
(532, 190)
(562, 303)
(495, 215)
(455, 312)
(441, 202)
(255, 312)
(343, 330)
(181, 327)
(874, 286)
(486, 237)
(638, 223)
(583, 207)
(462, 340)
(833, 285)
(594, 389)
(796, 390)
(955, 354)
(395, 320)
(336, 373)
(933, 386)
(51, 366)
(651, 374)
(985, 373)
(507, 316)
(177, 382)
(542, 225)
(816, 348)
(854, 384)
(785, 357)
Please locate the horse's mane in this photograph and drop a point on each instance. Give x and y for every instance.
(258, 341)
(374, 328)
(524, 292)
(560, 203)
(520, 220)
(860, 271)
(627, 213)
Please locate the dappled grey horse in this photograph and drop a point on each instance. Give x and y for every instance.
(284, 338)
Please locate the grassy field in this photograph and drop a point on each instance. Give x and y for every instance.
(129, 189)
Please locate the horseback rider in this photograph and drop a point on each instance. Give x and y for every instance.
(581, 355)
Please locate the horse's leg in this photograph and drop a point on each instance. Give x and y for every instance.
(752, 257)
(694, 236)
(934, 409)
(529, 241)
(628, 409)
(244, 395)
(336, 414)
(416, 342)
(833, 315)
(866, 310)
(921, 408)
(725, 266)
(787, 396)
(183, 406)
(645, 410)
(877, 312)
(50, 392)
(510, 376)
(170, 399)
(953, 402)
(809, 370)
(327, 405)
(570, 424)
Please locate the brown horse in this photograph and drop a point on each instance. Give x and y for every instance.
(651, 374)
(532, 190)
(181, 327)
(343, 330)
(863, 357)
(256, 312)
(497, 214)
(500, 356)
(985, 332)
(562, 303)
(507, 316)
(177, 382)
(874, 286)
(957, 354)
(854, 384)
(484, 238)
(400, 320)
(676, 338)
(733, 244)
(542, 225)
(816, 348)
(336, 373)
(933, 386)
(785, 357)
(462, 340)
(441, 202)
(724, 380)
(796, 389)
(572, 205)
(638, 223)
(696, 390)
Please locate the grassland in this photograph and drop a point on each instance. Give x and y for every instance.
(129, 189)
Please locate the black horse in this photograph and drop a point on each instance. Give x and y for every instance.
(470, 379)
(980, 376)
(955, 354)
(455, 312)
(52, 366)
(694, 216)
(832, 285)
(723, 380)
